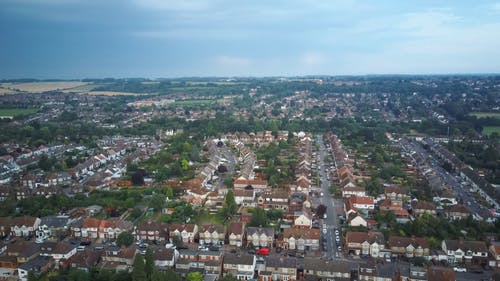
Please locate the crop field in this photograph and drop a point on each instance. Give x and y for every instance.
(40, 87)
(110, 93)
(486, 114)
(490, 130)
(16, 112)
(194, 102)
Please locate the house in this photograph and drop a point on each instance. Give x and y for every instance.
(235, 234)
(461, 251)
(37, 265)
(260, 236)
(275, 199)
(395, 193)
(320, 269)
(92, 228)
(241, 266)
(22, 250)
(118, 258)
(495, 255)
(355, 220)
(420, 208)
(409, 246)
(256, 184)
(362, 202)
(281, 268)
(440, 274)
(303, 219)
(349, 191)
(245, 197)
(210, 233)
(212, 261)
(24, 226)
(301, 239)
(85, 260)
(164, 258)
(51, 226)
(151, 231)
(186, 232)
(388, 205)
(457, 212)
(365, 243)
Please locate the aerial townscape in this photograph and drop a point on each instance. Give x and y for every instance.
(278, 178)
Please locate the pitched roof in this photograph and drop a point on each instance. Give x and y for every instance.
(475, 246)
(211, 228)
(365, 200)
(236, 228)
(360, 237)
(305, 233)
(244, 259)
(459, 208)
(440, 274)
(281, 262)
(268, 231)
(181, 227)
(399, 241)
(423, 205)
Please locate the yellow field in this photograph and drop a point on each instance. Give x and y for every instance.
(4, 91)
(40, 87)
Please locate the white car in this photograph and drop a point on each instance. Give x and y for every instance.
(460, 269)
(324, 230)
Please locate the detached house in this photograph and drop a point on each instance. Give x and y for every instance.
(260, 236)
(365, 243)
(459, 251)
(186, 232)
(210, 233)
(409, 246)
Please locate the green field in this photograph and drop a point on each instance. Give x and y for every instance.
(490, 130)
(17, 112)
(195, 102)
(486, 114)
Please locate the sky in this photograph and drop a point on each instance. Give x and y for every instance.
(74, 39)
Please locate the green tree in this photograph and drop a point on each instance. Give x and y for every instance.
(44, 163)
(259, 217)
(78, 275)
(125, 239)
(157, 202)
(194, 276)
(149, 263)
(229, 277)
(138, 271)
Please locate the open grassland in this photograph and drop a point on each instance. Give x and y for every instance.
(490, 130)
(4, 91)
(486, 114)
(40, 87)
(110, 93)
(16, 112)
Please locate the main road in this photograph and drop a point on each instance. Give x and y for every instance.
(325, 198)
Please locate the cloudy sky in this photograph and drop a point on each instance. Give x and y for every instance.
(175, 38)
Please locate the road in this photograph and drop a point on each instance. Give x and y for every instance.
(332, 217)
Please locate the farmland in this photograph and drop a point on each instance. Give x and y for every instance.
(40, 87)
(490, 130)
(486, 114)
(16, 112)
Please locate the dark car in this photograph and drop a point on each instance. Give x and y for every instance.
(251, 251)
(85, 243)
(214, 248)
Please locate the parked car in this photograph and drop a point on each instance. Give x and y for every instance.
(263, 251)
(460, 269)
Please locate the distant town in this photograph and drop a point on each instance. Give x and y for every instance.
(271, 179)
